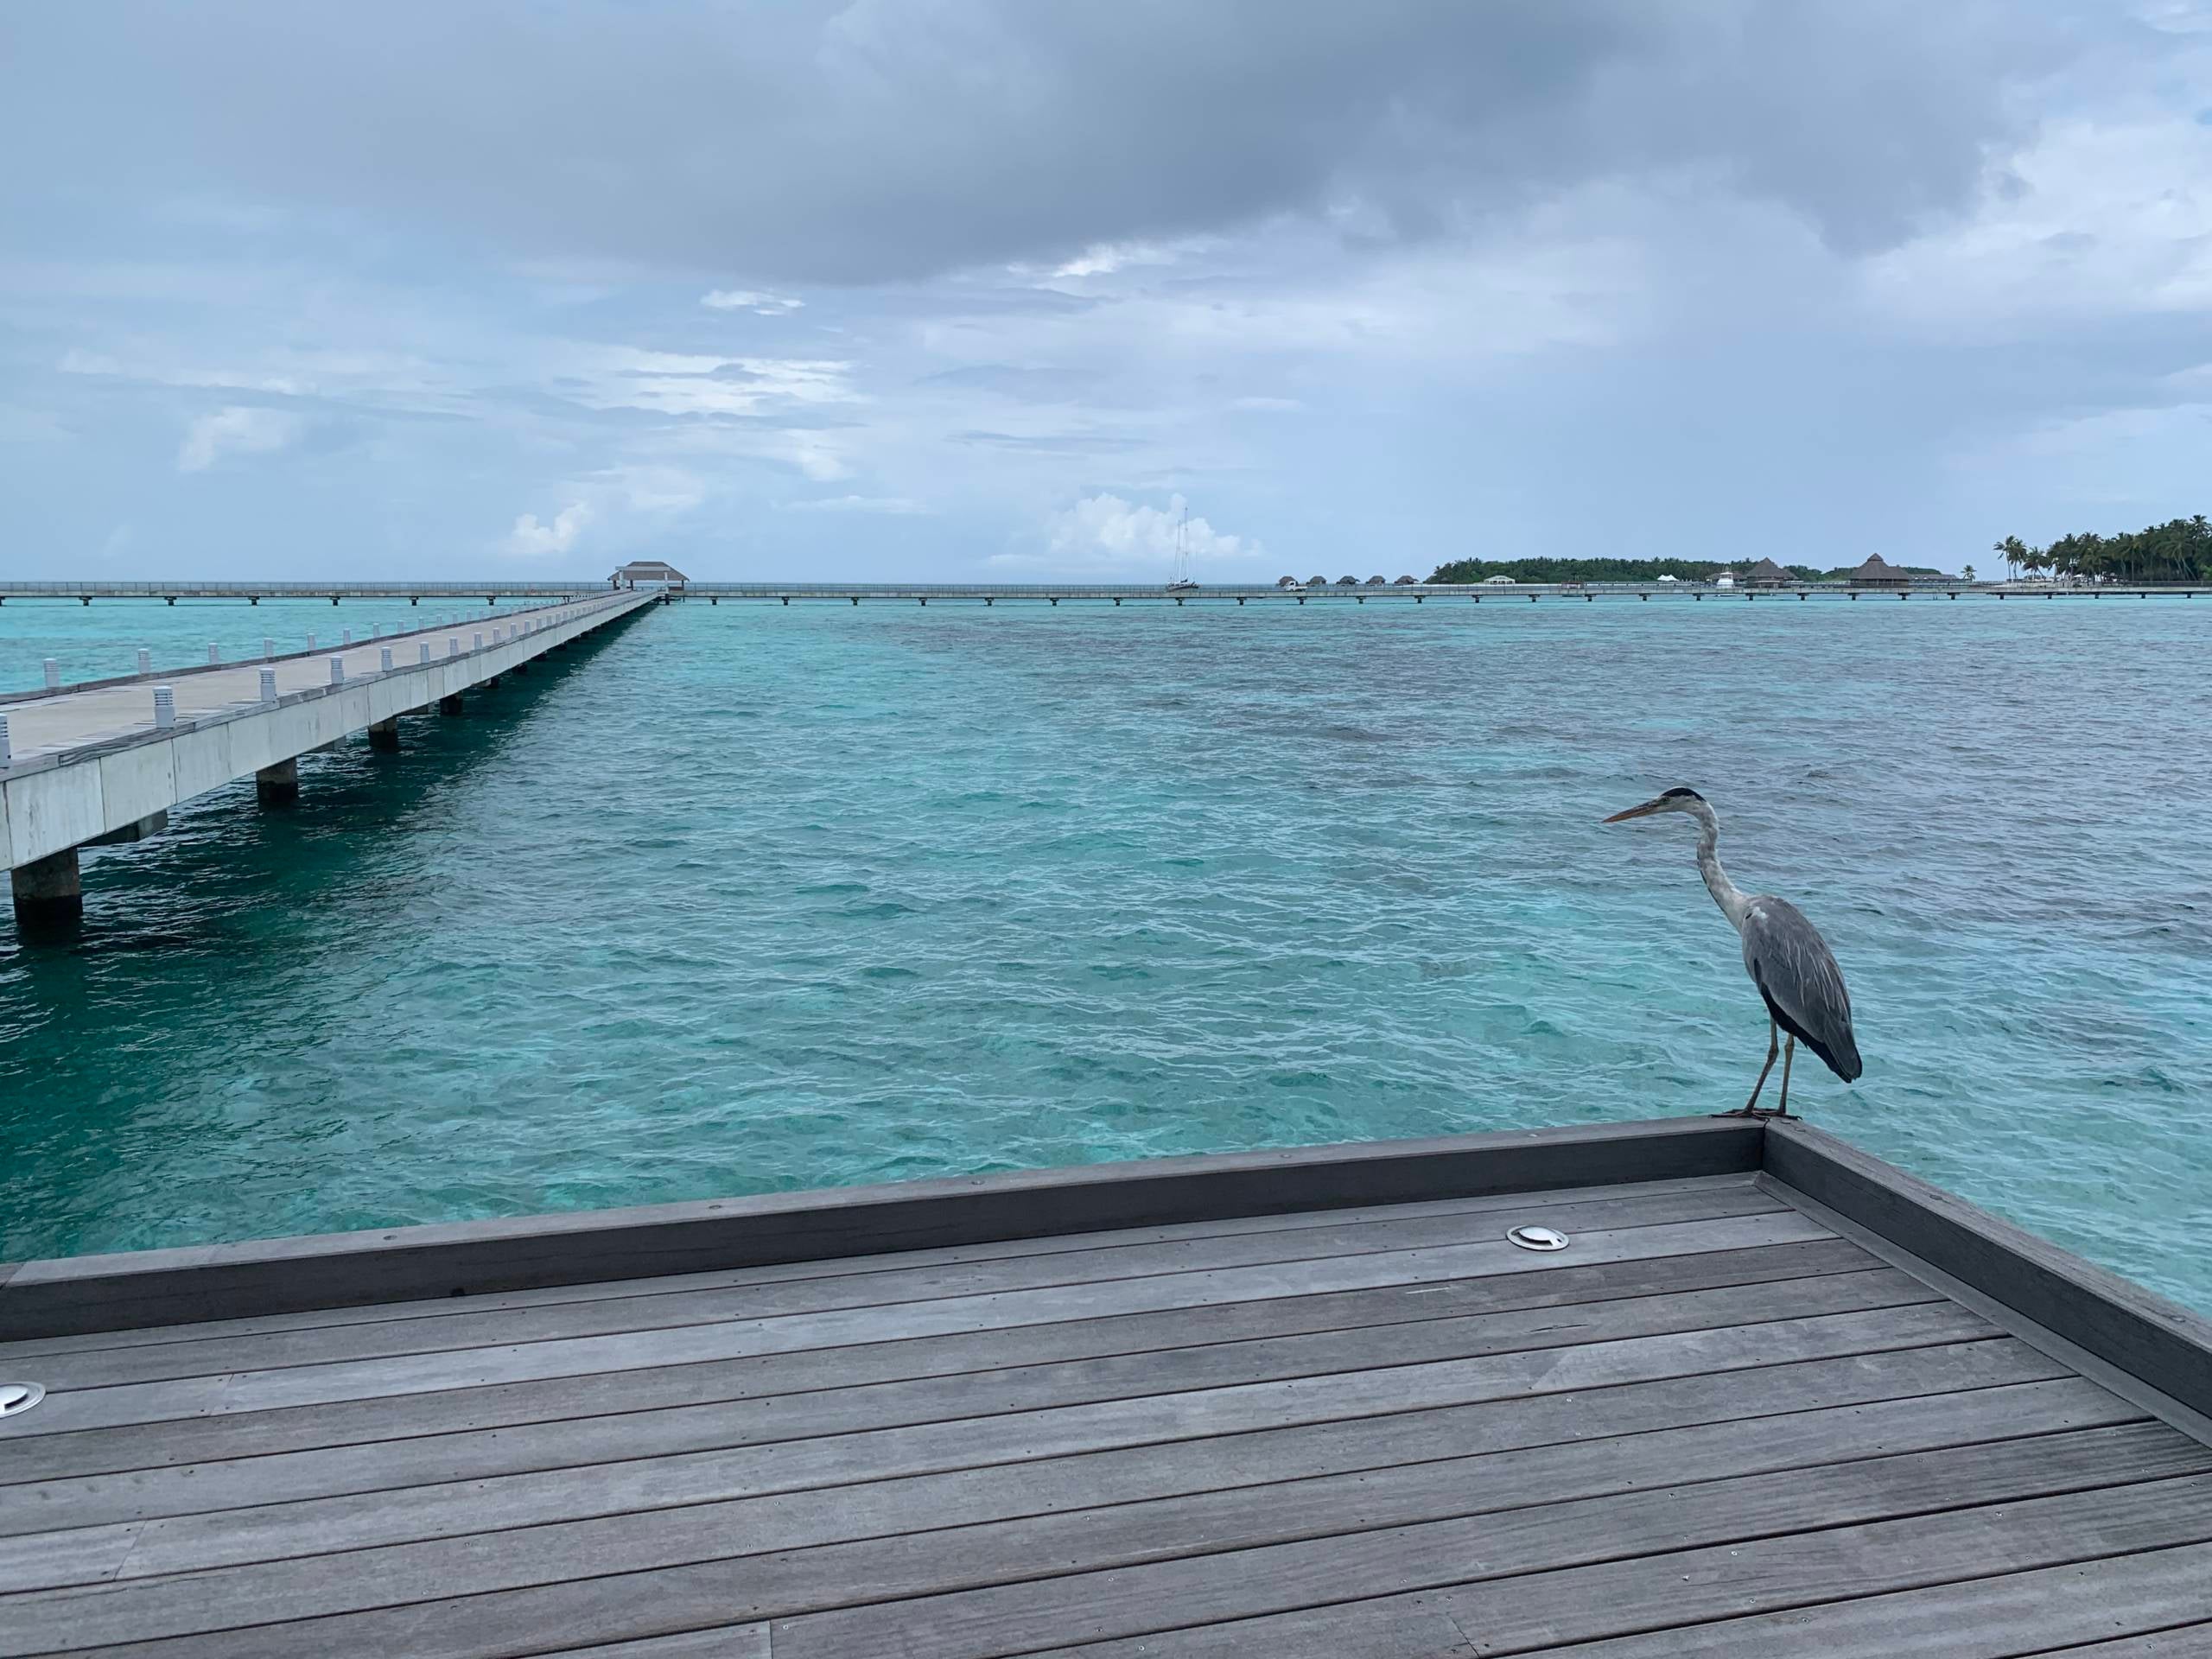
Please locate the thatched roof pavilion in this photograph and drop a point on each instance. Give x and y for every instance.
(1765, 574)
(1875, 572)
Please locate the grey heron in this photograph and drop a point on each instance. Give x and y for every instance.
(1784, 953)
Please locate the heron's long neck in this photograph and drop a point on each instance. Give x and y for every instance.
(1732, 899)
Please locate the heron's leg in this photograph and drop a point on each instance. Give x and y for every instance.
(1789, 1053)
(1749, 1108)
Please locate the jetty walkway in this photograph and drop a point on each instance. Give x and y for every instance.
(1053, 593)
(105, 760)
(1757, 1396)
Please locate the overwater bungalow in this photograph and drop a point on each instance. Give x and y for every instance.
(1876, 573)
(1765, 574)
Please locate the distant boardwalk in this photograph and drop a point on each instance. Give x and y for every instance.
(1048, 592)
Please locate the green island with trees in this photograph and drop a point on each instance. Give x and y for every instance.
(2178, 550)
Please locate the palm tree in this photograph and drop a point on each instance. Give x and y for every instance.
(1969, 573)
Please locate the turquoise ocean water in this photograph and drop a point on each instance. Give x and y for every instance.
(754, 898)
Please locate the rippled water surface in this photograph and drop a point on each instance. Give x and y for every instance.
(756, 899)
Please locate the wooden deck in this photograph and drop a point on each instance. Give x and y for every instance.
(1773, 1399)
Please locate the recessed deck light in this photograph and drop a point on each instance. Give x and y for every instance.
(1537, 1238)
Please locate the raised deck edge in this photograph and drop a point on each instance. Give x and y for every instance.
(75, 1295)
(2132, 1330)
(2131, 1338)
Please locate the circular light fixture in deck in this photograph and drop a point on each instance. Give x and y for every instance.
(16, 1398)
(1537, 1238)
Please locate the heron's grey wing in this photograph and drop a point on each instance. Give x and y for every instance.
(1797, 973)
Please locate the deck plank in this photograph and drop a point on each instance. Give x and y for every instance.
(731, 1335)
(321, 1525)
(1547, 1539)
(2054, 1612)
(1531, 1613)
(463, 1328)
(395, 1418)
(788, 1402)
(934, 1533)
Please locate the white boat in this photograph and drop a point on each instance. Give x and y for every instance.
(1180, 580)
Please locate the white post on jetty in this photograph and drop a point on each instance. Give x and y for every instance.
(310, 642)
(214, 651)
(479, 645)
(145, 660)
(425, 652)
(338, 670)
(269, 685)
(53, 674)
(7, 755)
(268, 649)
(346, 636)
(164, 706)
(452, 647)
(387, 660)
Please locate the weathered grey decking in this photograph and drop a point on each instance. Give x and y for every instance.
(1735, 1417)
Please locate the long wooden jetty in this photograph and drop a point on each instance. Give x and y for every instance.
(1759, 1395)
(105, 760)
(1053, 593)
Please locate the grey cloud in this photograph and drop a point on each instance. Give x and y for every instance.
(883, 141)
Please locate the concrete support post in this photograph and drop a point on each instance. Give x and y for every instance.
(214, 653)
(49, 896)
(521, 668)
(277, 785)
(267, 650)
(476, 642)
(310, 642)
(338, 670)
(145, 661)
(422, 651)
(53, 674)
(450, 705)
(384, 735)
(385, 656)
(6, 755)
(491, 684)
(164, 707)
(452, 647)
(269, 685)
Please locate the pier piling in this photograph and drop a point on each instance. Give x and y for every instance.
(277, 785)
(384, 735)
(49, 894)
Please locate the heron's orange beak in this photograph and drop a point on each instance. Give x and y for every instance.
(1645, 811)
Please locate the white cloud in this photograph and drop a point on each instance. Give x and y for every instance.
(1104, 258)
(530, 540)
(685, 383)
(740, 299)
(886, 503)
(236, 431)
(1104, 533)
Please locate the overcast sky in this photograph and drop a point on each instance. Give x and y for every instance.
(974, 288)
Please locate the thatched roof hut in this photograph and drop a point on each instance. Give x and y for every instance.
(1407, 582)
(1875, 572)
(1765, 574)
